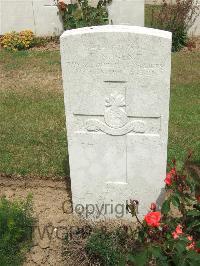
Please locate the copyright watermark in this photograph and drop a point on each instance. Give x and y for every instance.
(98, 210)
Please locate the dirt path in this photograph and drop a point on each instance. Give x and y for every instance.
(52, 208)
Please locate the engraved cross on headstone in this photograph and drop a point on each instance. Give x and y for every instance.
(118, 125)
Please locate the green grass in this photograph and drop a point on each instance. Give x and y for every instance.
(33, 139)
(148, 10)
(16, 228)
(148, 13)
(32, 120)
(184, 126)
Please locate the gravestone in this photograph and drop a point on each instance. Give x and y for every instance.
(40, 16)
(195, 29)
(126, 12)
(116, 90)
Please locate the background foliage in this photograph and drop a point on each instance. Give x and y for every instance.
(175, 17)
(18, 40)
(83, 15)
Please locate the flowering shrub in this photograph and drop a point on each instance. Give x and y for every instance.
(171, 236)
(18, 41)
(168, 236)
(177, 17)
(81, 14)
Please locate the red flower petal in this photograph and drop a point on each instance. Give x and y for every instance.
(153, 219)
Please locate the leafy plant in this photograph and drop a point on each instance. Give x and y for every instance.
(104, 247)
(176, 17)
(166, 237)
(16, 223)
(18, 40)
(82, 14)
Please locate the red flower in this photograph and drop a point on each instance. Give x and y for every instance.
(191, 245)
(173, 171)
(168, 179)
(190, 238)
(175, 235)
(153, 207)
(197, 250)
(61, 5)
(178, 231)
(198, 198)
(153, 219)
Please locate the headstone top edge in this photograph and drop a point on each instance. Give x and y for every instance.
(118, 28)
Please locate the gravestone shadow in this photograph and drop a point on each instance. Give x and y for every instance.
(66, 170)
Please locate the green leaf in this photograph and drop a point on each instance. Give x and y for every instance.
(131, 258)
(175, 201)
(122, 261)
(198, 244)
(139, 259)
(197, 206)
(193, 258)
(193, 213)
(156, 251)
(165, 207)
(180, 247)
(193, 224)
(157, 254)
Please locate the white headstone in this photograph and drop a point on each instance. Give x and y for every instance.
(16, 15)
(195, 29)
(126, 12)
(116, 90)
(40, 16)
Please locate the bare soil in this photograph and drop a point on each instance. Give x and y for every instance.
(54, 220)
(49, 197)
(49, 46)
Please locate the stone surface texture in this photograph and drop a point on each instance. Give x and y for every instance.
(40, 16)
(116, 91)
(126, 12)
(195, 29)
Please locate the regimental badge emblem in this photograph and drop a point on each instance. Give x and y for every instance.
(116, 121)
